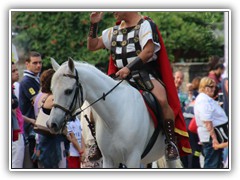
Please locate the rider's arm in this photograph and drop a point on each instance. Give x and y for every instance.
(147, 51)
(148, 43)
(143, 57)
(94, 44)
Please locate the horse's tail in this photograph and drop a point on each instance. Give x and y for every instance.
(163, 163)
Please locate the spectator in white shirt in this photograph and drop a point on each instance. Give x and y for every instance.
(209, 115)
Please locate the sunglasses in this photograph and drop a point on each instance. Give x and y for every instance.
(211, 86)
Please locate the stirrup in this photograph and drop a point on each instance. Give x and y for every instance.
(175, 155)
(94, 153)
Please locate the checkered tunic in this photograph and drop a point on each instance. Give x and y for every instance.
(126, 44)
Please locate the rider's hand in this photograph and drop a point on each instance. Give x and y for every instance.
(96, 17)
(123, 73)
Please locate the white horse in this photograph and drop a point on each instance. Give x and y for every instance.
(123, 124)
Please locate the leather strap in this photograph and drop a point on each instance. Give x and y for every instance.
(93, 30)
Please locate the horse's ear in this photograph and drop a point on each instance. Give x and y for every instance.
(55, 65)
(71, 64)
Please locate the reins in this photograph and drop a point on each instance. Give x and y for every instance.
(103, 97)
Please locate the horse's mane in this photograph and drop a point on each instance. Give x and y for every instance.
(86, 66)
(101, 74)
(92, 68)
(84, 63)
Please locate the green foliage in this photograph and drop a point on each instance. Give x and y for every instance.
(56, 34)
(64, 34)
(190, 35)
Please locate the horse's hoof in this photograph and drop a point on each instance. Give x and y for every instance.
(121, 165)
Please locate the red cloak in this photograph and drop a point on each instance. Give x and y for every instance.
(165, 71)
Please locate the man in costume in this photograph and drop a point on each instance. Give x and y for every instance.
(137, 48)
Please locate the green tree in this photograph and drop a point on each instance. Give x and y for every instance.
(64, 34)
(190, 35)
(57, 34)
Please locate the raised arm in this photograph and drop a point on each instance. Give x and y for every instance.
(94, 42)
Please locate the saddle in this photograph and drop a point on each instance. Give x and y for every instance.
(144, 85)
(153, 107)
(155, 112)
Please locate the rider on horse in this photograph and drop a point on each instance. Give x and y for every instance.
(136, 51)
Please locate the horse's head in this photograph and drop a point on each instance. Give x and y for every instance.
(67, 93)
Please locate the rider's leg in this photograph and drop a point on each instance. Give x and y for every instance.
(168, 115)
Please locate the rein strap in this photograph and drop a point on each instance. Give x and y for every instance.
(103, 97)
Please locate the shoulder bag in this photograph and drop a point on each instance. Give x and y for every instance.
(40, 124)
(221, 132)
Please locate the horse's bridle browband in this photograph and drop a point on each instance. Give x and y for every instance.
(69, 116)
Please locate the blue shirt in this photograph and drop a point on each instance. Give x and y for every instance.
(29, 87)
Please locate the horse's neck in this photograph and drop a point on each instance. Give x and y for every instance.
(95, 84)
(94, 81)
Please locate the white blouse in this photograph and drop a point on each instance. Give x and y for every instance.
(207, 109)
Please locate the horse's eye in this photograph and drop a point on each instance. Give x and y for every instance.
(68, 91)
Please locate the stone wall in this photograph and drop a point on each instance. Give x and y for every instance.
(190, 71)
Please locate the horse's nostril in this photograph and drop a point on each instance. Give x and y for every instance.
(54, 126)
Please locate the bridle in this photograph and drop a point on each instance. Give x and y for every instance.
(69, 116)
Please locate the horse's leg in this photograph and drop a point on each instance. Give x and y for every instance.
(108, 163)
(175, 164)
(133, 160)
(163, 163)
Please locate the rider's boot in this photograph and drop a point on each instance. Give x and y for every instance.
(94, 151)
(171, 150)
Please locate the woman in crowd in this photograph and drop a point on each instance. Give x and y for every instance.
(50, 149)
(209, 115)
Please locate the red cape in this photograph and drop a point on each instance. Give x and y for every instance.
(165, 71)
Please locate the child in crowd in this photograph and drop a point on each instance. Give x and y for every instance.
(76, 144)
